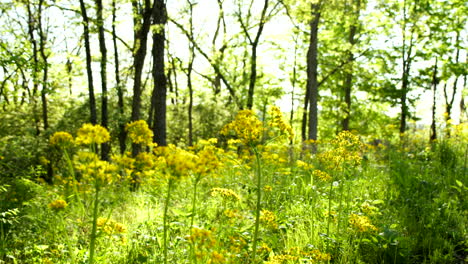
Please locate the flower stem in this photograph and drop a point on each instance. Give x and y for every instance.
(194, 204)
(258, 208)
(329, 212)
(166, 208)
(94, 229)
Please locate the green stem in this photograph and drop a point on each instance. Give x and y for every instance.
(71, 171)
(166, 208)
(329, 212)
(194, 203)
(257, 212)
(93, 231)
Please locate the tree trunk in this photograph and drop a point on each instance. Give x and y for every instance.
(253, 60)
(434, 86)
(159, 76)
(45, 70)
(120, 92)
(142, 22)
(449, 101)
(312, 66)
(105, 147)
(35, 68)
(349, 74)
(89, 70)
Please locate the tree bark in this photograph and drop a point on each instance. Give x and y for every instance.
(105, 147)
(159, 76)
(45, 69)
(142, 22)
(89, 70)
(312, 67)
(35, 68)
(349, 74)
(434, 86)
(120, 90)
(253, 59)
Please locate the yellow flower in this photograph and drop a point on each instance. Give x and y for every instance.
(304, 165)
(139, 133)
(202, 237)
(361, 223)
(207, 159)
(225, 193)
(92, 134)
(61, 139)
(110, 226)
(246, 127)
(58, 204)
(277, 121)
(269, 218)
(216, 258)
(174, 161)
(322, 175)
(94, 169)
(267, 188)
(280, 259)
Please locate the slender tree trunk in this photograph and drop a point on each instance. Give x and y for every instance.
(253, 59)
(305, 115)
(105, 147)
(142, 22)
(120, 90)
(89, 70)
(434, 88)
(349, 74)
(406, 57)
(450, 100)
(35, 68)
(45, 70)
(463, 113)
(159, 76)
(312, 66)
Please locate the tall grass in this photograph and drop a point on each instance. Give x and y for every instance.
(400, 204)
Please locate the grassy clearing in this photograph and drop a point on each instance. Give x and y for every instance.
(347, 203)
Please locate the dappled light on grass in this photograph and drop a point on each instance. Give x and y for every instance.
(249, 197)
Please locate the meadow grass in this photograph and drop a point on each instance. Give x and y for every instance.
(347, 203)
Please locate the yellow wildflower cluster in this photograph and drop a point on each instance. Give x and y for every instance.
(369, 209)
(296, 253)
(62, 139)
(268, 218)
(361, 223)
(281, 259)
(125, 163)
(92, 134)
(110, 226)
(303, 165)
(232, 213)
(246, 127)
(93, 169)
(321, 175)
(227, 194)
(208, 157)
(139, 133)
(317, 255)
(175, 161)
(237, 244)
(346, 150)
(202, 237)
(277, 121)
(216, 258)
(267, 188)
(58, 204)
